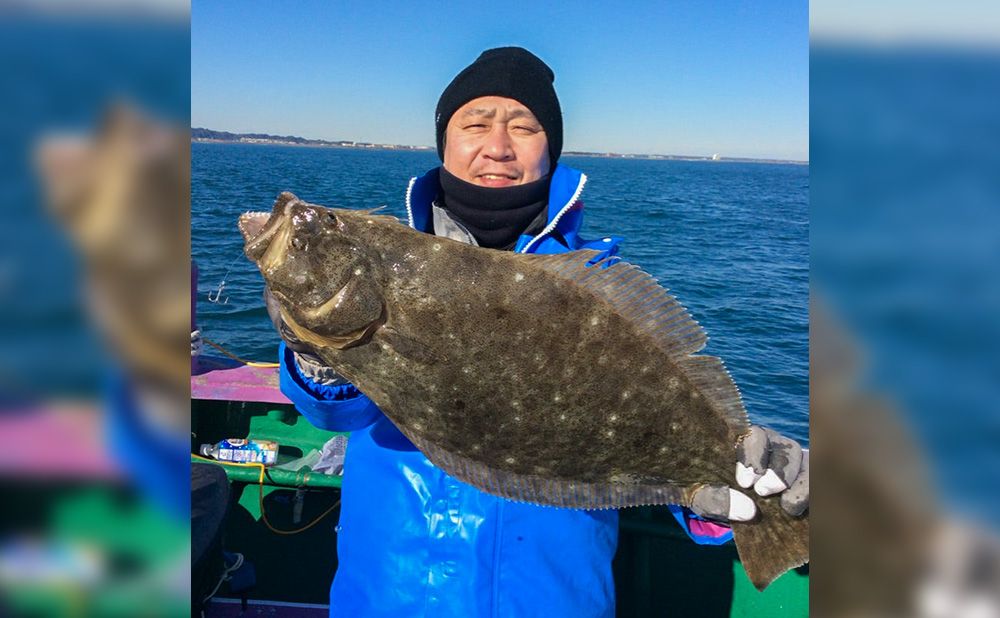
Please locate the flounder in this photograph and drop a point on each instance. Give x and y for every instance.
(568, 380)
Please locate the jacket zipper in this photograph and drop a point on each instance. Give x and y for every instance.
(548, 228)
(555, 220)
(409, 208)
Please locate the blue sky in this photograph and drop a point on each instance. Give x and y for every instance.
(657, 77)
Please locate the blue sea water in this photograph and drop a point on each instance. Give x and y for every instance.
(730, 240)
(906, 246)
(61, 74)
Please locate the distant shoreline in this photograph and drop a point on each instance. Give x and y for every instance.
(208, 136)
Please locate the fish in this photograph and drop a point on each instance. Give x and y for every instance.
(122, 195)
(568, 380)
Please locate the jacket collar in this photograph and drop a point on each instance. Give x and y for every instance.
(564, 210)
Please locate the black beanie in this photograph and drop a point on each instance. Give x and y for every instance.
(511, 72)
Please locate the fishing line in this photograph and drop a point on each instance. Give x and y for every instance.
(222, 284)
(237, 358)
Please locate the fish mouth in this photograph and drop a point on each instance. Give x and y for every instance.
(251, 224)
(259, 228)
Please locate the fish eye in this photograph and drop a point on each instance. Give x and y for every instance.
(298, 243)
(330, 217)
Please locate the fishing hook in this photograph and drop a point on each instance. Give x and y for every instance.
(218, 293)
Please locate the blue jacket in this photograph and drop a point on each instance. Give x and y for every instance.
(414, 541)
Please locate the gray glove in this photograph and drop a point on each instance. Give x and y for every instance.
(770, 463)
(313, 368)
(309, 364)
(197, 345)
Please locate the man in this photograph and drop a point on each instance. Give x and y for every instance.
(412, 540)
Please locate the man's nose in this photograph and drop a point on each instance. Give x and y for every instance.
(498, 144)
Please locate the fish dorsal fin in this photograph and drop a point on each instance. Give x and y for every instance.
(638, 297)
(633, 294)
(712, 378)
(379, 214)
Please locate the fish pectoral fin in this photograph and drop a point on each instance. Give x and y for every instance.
(410, 348)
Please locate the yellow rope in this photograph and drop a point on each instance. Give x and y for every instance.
(260, 496)
(234, 357)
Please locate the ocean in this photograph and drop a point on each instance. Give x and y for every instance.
(730, 240)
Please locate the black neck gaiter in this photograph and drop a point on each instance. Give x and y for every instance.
(496, 217)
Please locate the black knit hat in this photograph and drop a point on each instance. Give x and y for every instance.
(511, 72)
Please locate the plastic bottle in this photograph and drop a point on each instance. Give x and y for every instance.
(239, 450)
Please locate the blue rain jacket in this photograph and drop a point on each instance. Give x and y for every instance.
(155, 462)
(414, 541)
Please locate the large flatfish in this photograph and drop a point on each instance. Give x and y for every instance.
(565, 380)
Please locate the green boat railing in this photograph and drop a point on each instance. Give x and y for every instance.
(658, 570)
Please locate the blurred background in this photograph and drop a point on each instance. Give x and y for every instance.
(905, 251)
(905, 206)
(94, 280)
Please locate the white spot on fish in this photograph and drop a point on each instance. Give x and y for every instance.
(674, 426)
(517, 419)
(594, 321)
(695, 395)
(562, 417)
(613, 418)
(418, 426)
(557, 398)
(518, 277)
(476, 447)
(510, 460)
(644, 369)
(370, 221)
(357, 272)
(466, 369)
(610, 433)
(385, 346)
(436, 246)
(602, 359)
(515, 404)
(451, 335)
(663, 449)
(626, 394)
(673, 383)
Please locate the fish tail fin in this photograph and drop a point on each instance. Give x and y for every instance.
(772, 543)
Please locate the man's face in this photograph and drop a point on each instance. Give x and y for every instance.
(495, 142)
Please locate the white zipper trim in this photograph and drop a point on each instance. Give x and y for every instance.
(555, 220)
(409, 209)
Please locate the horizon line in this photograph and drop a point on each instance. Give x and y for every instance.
(345, 143)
